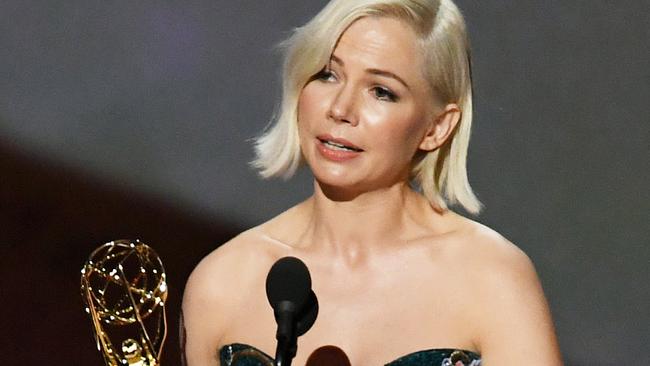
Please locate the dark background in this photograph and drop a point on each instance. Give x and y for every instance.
(133, 120)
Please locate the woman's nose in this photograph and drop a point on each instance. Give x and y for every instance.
(343, 106)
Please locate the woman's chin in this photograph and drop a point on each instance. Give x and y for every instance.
(335, 174)
(336, 181)
(343, 188)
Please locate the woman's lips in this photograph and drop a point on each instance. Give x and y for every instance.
(337, 141)
(336, 149)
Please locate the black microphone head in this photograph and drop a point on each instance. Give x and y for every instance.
(307, 315)
(288, 280)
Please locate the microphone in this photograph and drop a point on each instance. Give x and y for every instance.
(295, 306)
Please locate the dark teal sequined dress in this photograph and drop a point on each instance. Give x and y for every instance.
(238, 354)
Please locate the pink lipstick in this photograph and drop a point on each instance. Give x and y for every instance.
(337, 149)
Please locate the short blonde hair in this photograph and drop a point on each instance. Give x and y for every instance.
(440, 174)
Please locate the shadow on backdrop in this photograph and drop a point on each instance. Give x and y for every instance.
(52, 218)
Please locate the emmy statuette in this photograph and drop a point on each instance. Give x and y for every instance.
(124, 288)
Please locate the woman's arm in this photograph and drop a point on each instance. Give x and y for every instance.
(201, 318)
(515, 322)
(208, 303)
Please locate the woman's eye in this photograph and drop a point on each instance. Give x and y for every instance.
(325, 75)
(382, 93)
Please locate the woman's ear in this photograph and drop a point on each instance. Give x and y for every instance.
(441, 127)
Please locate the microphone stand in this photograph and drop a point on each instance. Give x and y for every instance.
(286, 334)
(295, 306)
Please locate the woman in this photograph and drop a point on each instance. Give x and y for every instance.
(377, 102)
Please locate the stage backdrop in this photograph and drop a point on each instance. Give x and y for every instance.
(122, 119)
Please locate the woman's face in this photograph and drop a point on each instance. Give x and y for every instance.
(362, 119)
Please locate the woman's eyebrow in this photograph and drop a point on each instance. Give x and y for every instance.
(373, 71)
(387, 74)
(337, 60)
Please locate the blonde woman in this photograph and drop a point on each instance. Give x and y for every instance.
(378, 104)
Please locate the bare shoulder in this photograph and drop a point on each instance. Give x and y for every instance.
(510, 310)
(232, 265)
(494, 265)
(213, 293)
(488, 252)
(212, 279)
(242, 258)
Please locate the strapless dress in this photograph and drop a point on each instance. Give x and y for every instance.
(238, 354)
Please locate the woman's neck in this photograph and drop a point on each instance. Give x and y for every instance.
(363, 223)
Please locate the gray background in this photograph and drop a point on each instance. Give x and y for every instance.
(163, 97)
